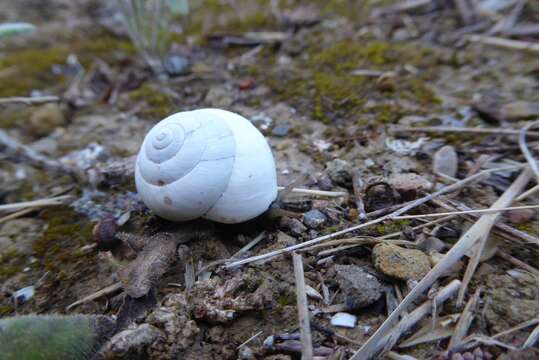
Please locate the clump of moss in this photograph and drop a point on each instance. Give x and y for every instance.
(31, 69)
(158, 104)
(66, 232)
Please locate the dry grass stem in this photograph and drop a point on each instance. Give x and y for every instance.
(303, 310)
(29, 100)
(388, 341)
(98, 294)
(315, 192)
(54, 201)
(526, 150)
(409, 206)
(471, 130)
(501, 229)
(477, 251)
(465, 320)
(518, 327)
(464, 212)
(467, 240)
(505, 43)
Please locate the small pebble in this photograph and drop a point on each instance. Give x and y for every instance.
(281, 130)
(478, 353)
(176, 65)
(344, 320)
(400, 263)
(314, 219)
(519, 216)
(445, 161)
(468, 356)
(457, 356)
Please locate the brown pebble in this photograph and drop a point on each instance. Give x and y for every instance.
(468, 356)
(520, 216)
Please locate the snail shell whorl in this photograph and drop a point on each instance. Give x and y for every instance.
(206, 163)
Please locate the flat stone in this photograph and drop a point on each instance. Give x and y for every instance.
(314, 219)
(400, 263)
(520, 110)
(359, 288)
(281, 130)
(409, 184)
(445, 161)
(342, 319)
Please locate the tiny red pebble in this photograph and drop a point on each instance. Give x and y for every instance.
(246, 84)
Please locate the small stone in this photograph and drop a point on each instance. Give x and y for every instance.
(132, 341)
(342, 319)
(520, 110)
(176, 65)
(285, 240)
(294, 225)
(340, 172)
(281, 130)
(400, 263)
(478, 353)
(468, 356)
(519, 216)
(360, 288)
(445, 161)
(432, 243)
(387, 81)
(457, 356)
(409, 184)
(245, 353)
(45, 119)
(314, 219)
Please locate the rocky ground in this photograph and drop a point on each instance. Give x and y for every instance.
(335, 86)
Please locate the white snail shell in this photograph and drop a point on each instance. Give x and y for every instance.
(207, 163)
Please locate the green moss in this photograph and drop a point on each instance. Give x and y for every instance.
(5, 310)
(158, 104)
(31, 69)
(14, 117)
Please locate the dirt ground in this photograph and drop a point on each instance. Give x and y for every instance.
(327, 93)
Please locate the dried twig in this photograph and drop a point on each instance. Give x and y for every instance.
(465, 320)
(388, 341)
(303, 311)
(357, 185)
(518, 327)
(505, 43)
(54, 201)
(398, 212)
(463, 212)
(501, 229)
(526, 150)
(29, 100)
(103, 292)
(471, 130)
(477, 251)
(467, 240)
(532, 339)
(316, 192)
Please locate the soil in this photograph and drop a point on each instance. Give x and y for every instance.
(302, 94)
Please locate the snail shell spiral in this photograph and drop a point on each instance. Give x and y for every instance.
(206, 163)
